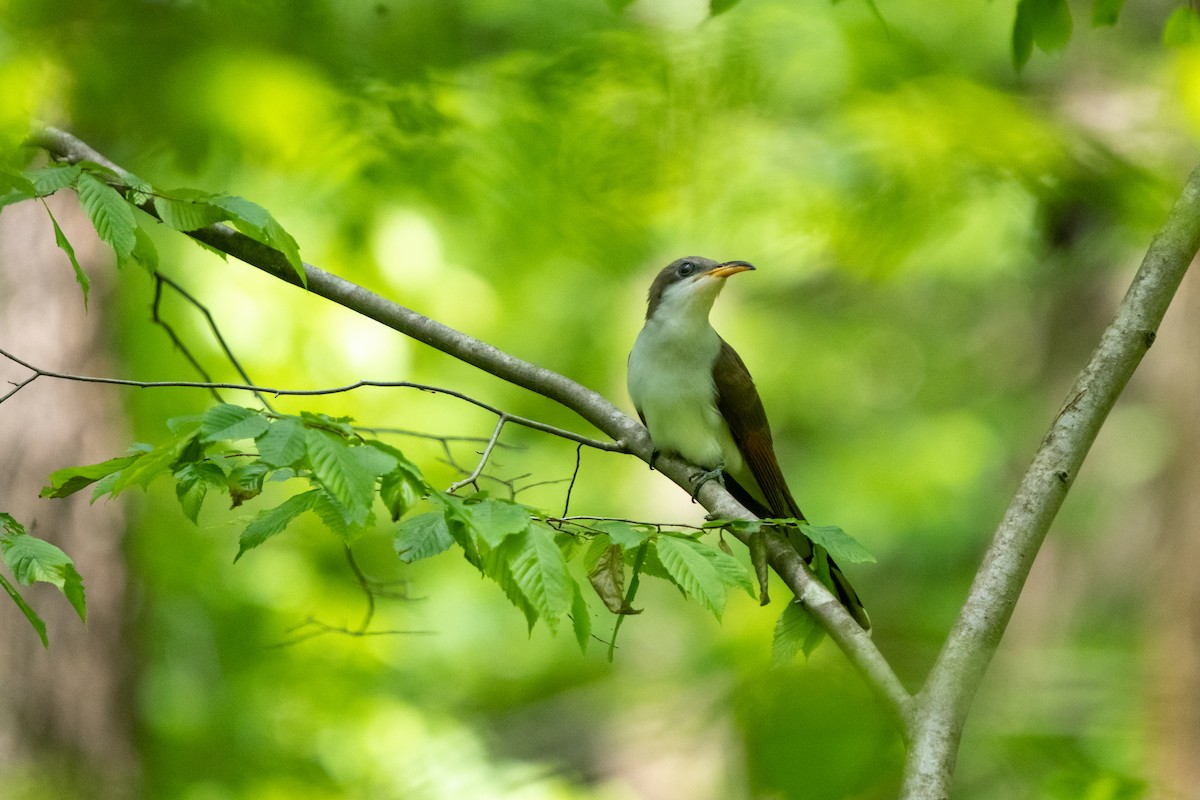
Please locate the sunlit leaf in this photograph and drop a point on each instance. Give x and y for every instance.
(110, 214)
(225, 422)
(1182, 27)
(841, 546)
(283, 443)
(795, 631)
(245, 482)
(192, 482)
(496, 520)
(187, 210)
(33, 559)
(422, 536)
(622, 534)
(693, 570)
(49, 180)
(38, 625)
(539, 569)
(581, 618)
(274, 521)
(67, 481)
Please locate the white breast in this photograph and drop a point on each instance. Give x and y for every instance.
(670, 381)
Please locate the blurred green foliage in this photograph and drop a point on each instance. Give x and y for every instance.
(938, 240)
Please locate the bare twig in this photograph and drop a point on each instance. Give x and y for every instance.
(38, 372)
(483, 458)
(159, 281)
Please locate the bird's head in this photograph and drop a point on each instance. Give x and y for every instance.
(690, 285)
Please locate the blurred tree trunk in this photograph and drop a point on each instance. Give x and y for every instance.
(66, 712)
(1176, 619)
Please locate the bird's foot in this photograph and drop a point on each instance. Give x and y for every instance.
(654, 454)
(700, 478)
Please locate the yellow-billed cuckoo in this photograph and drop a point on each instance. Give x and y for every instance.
(697, 399)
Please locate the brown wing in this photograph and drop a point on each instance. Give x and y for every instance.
(740, 405)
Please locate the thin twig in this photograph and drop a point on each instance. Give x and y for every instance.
(161, 279)
(157, 319)
(245, 387)
(483, 458)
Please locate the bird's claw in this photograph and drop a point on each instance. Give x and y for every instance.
(654, 454)
(700, 478)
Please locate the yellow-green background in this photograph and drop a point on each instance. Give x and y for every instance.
(939, 238)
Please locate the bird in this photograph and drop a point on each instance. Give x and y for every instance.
(698, 401)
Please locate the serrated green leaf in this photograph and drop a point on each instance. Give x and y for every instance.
(422, 536)
(405, 469)
(397, 493)
(110, 214)
(257, 223)
(38, 625)
(64, 244)
(245, 482)
(581, 618)
(192, 482)
(692, 570)
(333, 514)
(348, 473)
(339, 425)
(70, 480)
(145, 468)
(793, 630)
(840, 545)
(540, 572)
(496, 520)
(622, 534)
(49, 180)
(458, 522)
(144, 251)
(732, 572)
(33, 559)
(226, 422)
(274, 521)
(283, 443)
(187, 210)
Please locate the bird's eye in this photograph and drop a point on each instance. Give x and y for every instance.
(686, 269)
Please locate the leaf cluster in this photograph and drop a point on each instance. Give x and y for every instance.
(32, 559)
(233, 451)
(122, 207)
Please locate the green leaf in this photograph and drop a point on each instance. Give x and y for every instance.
(159, 461)
(343, 472)
(283, 443)
(581, 618)
(245, 482)
(422, 536)
(622, 534)
(16, 184)
(109, 213)
(1182, 28)
(144, 251)
(257, 223)
(70, 480)
(496, 520)
(27, 610)
(333, 514)
(841, 546)
(716, 7)
(398, 494)
(794, 630)
(459, 523)
(64, 244)
(1105, 12)
(538, 568)
(1046, 23)
(188, 210)
(273, 521)
(49, 180)
(32, 559)
(692, 570)
(192, 481)
(732, 572)
(225, 422)
(758, 559)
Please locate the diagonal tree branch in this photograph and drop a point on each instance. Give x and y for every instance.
(943, 703)
(627, 434)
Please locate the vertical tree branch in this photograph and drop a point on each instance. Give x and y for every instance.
(943, 703)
